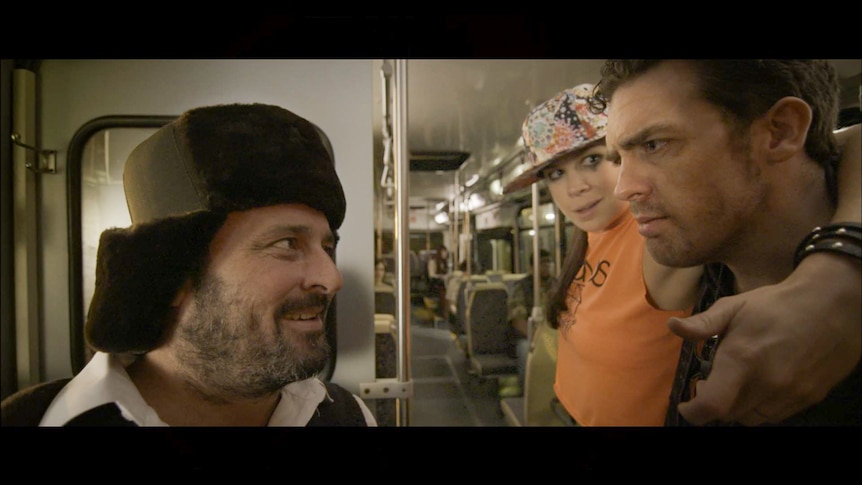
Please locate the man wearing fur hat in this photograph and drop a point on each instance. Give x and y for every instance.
(209, 310)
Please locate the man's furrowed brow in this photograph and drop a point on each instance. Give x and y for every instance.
(637, 139)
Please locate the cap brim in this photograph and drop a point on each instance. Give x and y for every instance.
(531, 176)
(526, 179)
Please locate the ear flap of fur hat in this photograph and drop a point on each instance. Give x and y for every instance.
(180, 184)
(139, 271)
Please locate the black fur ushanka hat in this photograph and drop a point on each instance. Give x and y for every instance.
(180, 184)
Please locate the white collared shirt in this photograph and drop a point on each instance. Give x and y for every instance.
(104, 380)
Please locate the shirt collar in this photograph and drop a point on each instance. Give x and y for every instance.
(104, 380)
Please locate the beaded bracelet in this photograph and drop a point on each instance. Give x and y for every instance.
(842, 238)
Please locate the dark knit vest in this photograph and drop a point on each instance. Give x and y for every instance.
(841, 407)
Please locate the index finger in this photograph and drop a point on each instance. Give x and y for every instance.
(720, 397)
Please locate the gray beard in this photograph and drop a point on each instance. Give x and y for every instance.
(228, 355)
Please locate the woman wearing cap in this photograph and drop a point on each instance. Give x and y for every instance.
(616, 356)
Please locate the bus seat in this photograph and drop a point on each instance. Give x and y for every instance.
(26, 407)
(541, 372)
(385, 333)
(384, 324)
(534, 408)
(487, 332)
(512, 279)
(384, 301)
(464, 286)
(513, 410)
(494, 276)
(457, 305)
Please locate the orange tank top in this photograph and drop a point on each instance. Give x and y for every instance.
(616, 356)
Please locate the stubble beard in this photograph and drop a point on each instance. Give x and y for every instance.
(229, 355)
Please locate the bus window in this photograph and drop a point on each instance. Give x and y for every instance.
(547, 214)
(98, 155)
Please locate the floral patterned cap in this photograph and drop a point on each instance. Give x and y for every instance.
(556, 127)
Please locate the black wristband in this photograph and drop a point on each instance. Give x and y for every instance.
(841, 238)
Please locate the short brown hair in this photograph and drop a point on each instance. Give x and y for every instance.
(745, 89)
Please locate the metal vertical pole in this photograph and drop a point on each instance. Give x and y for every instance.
(559, 236)
(457, 238)
(537, 313)
(26, 230)
(402, 235)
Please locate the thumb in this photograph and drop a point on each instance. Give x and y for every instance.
(706, 324)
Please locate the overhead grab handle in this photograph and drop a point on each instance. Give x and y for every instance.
(47, 158)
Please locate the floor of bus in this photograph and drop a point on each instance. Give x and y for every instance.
(444, 392)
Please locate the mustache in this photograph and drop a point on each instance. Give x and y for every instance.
(638, 208)
(308, 301)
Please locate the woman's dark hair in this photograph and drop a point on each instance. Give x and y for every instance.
(571, 266)
(575, 255)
